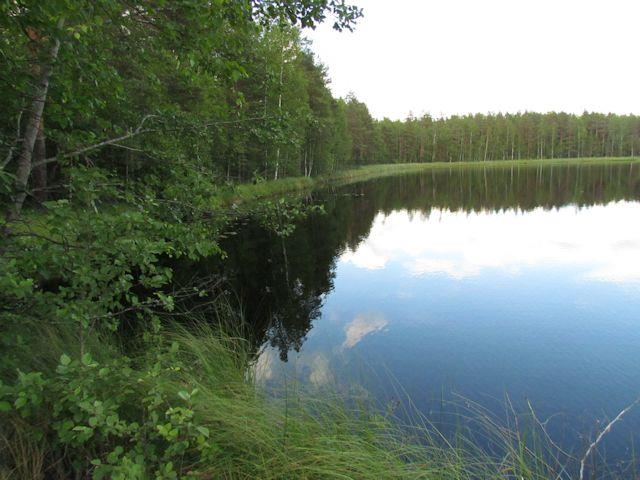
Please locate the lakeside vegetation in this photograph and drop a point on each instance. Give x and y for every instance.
(265, 189)
(128, 130)
(188, 385)
(182, 406)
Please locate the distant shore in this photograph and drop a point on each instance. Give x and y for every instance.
(268, 188)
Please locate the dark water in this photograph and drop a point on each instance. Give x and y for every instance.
(482, 283)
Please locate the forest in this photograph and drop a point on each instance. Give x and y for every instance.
(124, 123)
(230, 93)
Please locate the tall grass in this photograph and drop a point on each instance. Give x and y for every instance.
(294, 434)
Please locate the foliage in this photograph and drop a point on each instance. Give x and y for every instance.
(184, 408)
(500, 136)
(101, 254)
(281, 216)
(217, 86)
(118, 417)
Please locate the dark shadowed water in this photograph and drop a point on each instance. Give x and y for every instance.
(518, 284)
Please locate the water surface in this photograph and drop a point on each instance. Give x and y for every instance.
(487, 284)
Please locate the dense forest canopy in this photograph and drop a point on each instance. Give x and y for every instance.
(505, 137)
(218, 89)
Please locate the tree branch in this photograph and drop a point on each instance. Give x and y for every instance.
(111, 141)
(132, 133)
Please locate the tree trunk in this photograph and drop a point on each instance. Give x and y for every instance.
(305, 161)
(275, 176)
(310, 165)
(486, 148)
(433, 152)
(34, 120)
(39, 172)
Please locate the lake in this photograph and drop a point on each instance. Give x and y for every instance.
(512, 285)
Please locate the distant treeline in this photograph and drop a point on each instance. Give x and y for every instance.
(495, 137)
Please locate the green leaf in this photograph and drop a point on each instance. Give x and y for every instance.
(87, 360)
(65, 359)
(5, 406)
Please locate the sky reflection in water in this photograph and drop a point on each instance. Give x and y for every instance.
(601, 239)
(540, 304)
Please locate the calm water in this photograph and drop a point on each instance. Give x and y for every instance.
(481, 283)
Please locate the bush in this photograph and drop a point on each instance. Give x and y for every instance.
(119, 418)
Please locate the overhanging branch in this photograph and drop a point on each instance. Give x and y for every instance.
(132, 133)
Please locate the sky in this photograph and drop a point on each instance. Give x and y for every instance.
(447, 57)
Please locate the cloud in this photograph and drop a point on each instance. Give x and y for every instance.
(457, 270)
(264, 368)
(361, 326)
(365, 257)
(320, 370)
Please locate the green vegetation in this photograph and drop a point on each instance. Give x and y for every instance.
(127, 130)
(494, 137)
(244, 192)
(182, 406)
(369, 172)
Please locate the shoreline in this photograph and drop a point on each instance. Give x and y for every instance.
(288, 185)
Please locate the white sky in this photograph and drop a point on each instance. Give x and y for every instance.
(449, 57)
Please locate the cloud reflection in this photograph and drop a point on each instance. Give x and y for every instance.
(264, 368)
(361, 326)
(603, 241)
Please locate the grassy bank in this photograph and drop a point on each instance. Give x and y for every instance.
(271, 188)
(184, 407)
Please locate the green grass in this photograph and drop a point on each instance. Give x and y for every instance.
(296, 434)
(376, 171)
(270, 188)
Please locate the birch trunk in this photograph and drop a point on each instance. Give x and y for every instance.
(39, 170)
(486, 148)
(34, 120)
(275, 176)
